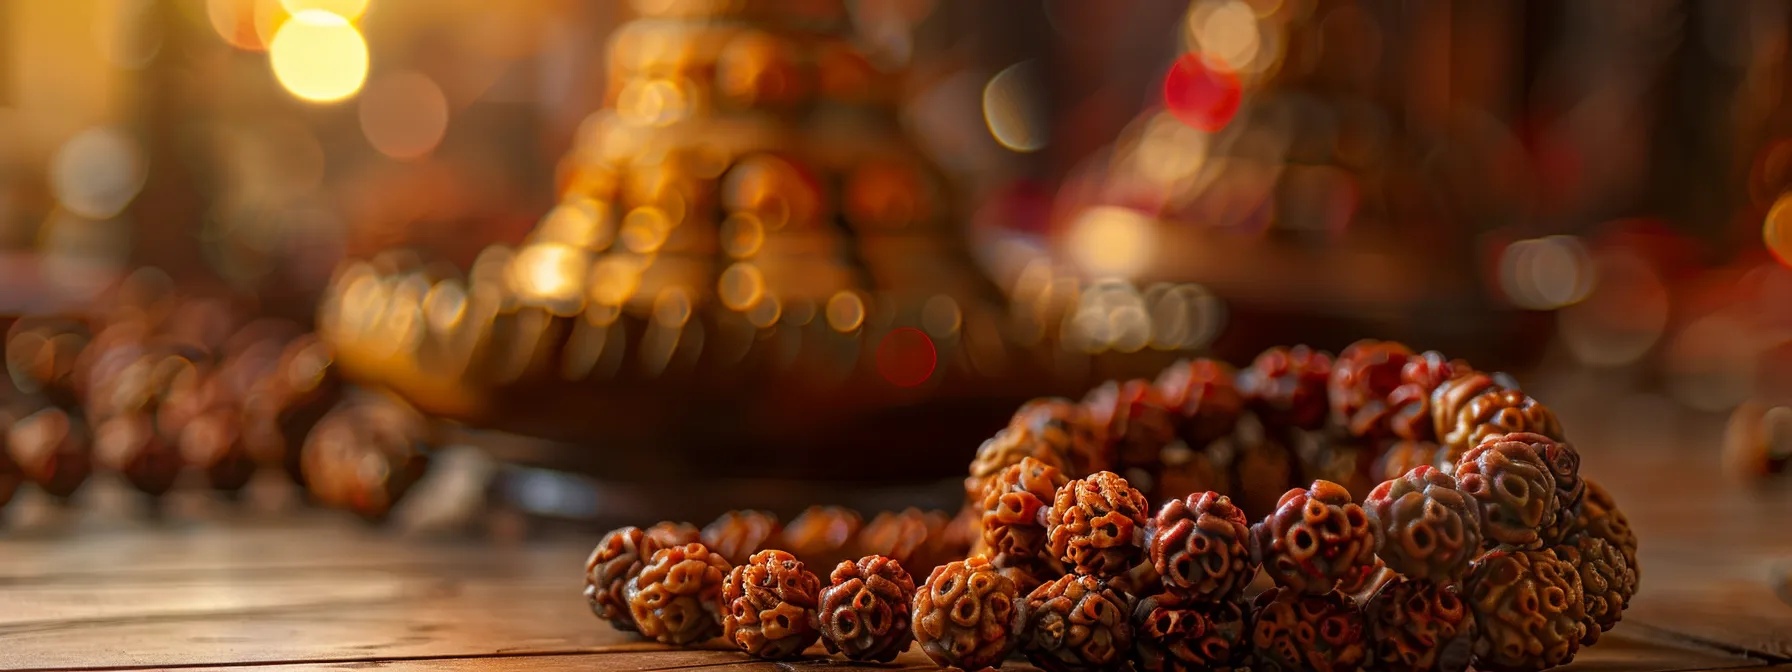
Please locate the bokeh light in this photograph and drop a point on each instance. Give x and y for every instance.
(1112, 241)
(1546, 273)
(404, 114)
(246, 24)
(97, 173)
(1623, 317)
(1202, 94)
(348, 9)
(1012, 110)
(906, 357)
(1777, 232)
(319, 56)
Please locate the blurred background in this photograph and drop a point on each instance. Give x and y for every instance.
(592, 248)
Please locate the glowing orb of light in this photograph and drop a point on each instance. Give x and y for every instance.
(319, 56)
(1202, 94)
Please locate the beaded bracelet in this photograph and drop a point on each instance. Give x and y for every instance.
(1483, 545)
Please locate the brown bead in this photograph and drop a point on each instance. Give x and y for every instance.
(616, 559)
(1202, 394)
(1606, 582)
(1261, 470)
(1064, 426)
(1401, 457)
(673, 533)
(864, 610)
(1096, 525)
(1758, 441)
(1564, 465)
(1515, 489)
(1200, 547)
(1174, 634)
(737, 535)
(1448, 400)
(1286, 387)
(1364, 375)
(1599, 517)
(1011, 506)
(906, 536)
(1004, 450)
(1187, 472)
(1292, 631)
(1314, 539)
(1075, 624)
(129, 444)
(52, 449)
(1418, 626)
(1133, 421)
(823, 535)
(768, 606)
(213, 443)
(1362, 582)
(1528, 608)
(964, 615)
(41, 354)
(676, 598)
(364, 457)
(1410, 404)
(1429, 528)
(1342, 460)
(1500, 411)
(282, 408)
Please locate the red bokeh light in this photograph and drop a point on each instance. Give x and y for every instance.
(906, 357)
(1202, 94)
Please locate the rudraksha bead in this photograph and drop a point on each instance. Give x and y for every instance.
(52, 449)
(1528, 609)
(1174, 634)
(129, 444)
(1096, 525)
(1315, 538)
(365, 457)
(1286, 387)
(673, 533)
(1514, 488)
(1076, 623)
(1004, 450)
(904, 536)
(964, 615)
(1564, 465)
(1401, 457)
(213, 443)
(1606, 582)
(1200, 547)
(1202, 394)
(1600, 517)
(1448, 400)
(1185, 472)
(1260, 469)
(676, 597)
(769, 606)
(864, 610)
(823, 535)
(1501, 411)
(616, 559)
(737, 535)
(1341, 460)
(1419, 626)
(1410, 404)
(1292, 631)
(1065, 427)
(1011, 505)
(1364, 375)
(282, 408)
(1132, 420)
(1362, 582)
(1429, 528)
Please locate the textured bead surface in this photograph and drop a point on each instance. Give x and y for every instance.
(1417, 626)
(1076, 623)
(1451, 396)
(769, 606)
(1293, 631)
(1011, 505)
(673, 533)
(1315, 537)
(964, 616)
(823, 535)
(1200, 547)
(1004, 450)
(1174, 634)
(1600, 517)
(1065, 427)
(1202, 394)
(1363, 376)
(864, 610)
(615, 560)
(1133, 421)
(1286, 387)
(1500, 411)
(1429, 528)
(1514, 488)
(1096, 525)
(1409, 405)
(1606, 582)
(1564, 465)
(676, 598)
(1528, 609)
(737, 535)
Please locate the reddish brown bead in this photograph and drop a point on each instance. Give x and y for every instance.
(1364, 375)
(1011, 505)
(964, 615)
(1202, 394)
(864, 610)
(1065, 427)
(1075, 624)
(1429, 528)
(1401, 457)
(1292, 631)
(737, 535)
(1514, 488)
(1500, 411)
(283, 407)
(1187, 472)
(1529, 610)
(1564, 465)
(616, 559)
(1173, 634)
(1600, 517)
(769, 606)
(823, 535)
(1096, 525)
(676, 597)
(1363, 581)
(1200, 547)
(1606, 582)
(1004, 450)
(1410, 403)
(1341, 460)
(128, 444)
(1286, 387)
(904, 536)
(52, 449)
(213, 443)
(1314, 539)
(1448, 400)
(1132, 421)
(673, 533)
(365, 457)
(1417, 626)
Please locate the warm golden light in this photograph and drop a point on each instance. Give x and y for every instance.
(246, 24)
(404, 114)
(1012, 110)
(550, 272)
(319, 56)
(1112, 241)
(845, 312)
(1777, 232)
(741, 286)
(348, 9)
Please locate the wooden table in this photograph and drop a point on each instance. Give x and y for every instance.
(221, 588)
